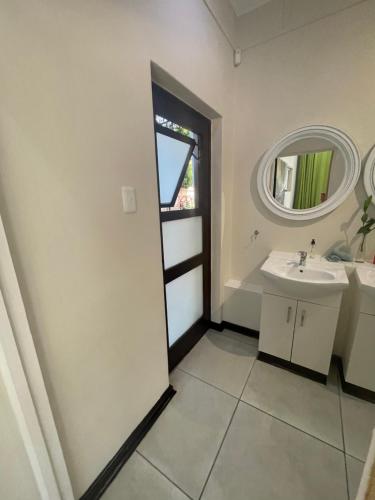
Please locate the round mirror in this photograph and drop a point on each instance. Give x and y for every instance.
(308, 173)
(369, 175)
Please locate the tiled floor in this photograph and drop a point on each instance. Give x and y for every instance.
(241, 429)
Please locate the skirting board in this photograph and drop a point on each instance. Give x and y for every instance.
(108, 474)
(352, 389)
(225, 325)
(292, 367)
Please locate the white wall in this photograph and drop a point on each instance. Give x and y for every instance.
(75, 125)
(318, 74)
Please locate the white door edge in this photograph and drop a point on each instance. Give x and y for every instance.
(24, 382)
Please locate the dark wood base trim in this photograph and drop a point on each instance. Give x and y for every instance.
(185, 343)
(108, 474)
(352, 389)
(235, 328)
(216, 326)
(292, 367)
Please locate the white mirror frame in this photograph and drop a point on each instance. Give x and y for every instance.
(352, 166)
(369, 175)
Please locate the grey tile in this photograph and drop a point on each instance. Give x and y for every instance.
(138, 480)
(263, 458)
(358, 421)
(308, 405)
(221, 361)
(238, 336)
(354, 468)
(185, 439)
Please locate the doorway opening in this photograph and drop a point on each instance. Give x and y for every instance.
(182, 143)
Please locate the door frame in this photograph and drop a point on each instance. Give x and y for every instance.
(24, 384)
(175, 110)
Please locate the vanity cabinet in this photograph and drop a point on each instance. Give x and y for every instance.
(277, 325)
(358, 358)
(314, 334)
(298, 331)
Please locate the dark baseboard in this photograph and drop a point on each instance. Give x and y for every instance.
(352, 389)
(216, 326)
(108, 474)
(292, 367)
(235, 328)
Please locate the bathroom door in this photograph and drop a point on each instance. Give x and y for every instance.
(182, 142)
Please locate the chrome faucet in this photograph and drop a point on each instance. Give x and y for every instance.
(302, 259)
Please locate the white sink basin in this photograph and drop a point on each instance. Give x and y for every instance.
(307, 274)
(366, 278)
(317, 276)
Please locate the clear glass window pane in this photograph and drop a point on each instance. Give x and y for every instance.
(186, 198)
(172, 155)
(184, 302)
(182, 239)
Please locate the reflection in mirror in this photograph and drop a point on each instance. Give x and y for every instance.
(306, 173)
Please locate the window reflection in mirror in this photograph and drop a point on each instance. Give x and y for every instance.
(306, 174)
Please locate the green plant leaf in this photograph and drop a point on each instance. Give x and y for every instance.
(367, 203)
(370, 222)
(368, 227)
(364, 217)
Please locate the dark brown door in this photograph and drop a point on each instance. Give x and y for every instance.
(182, 139)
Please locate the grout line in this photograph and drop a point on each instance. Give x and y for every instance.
(225, 434)
(343, 434)
(218, 451)
(215, 386)
(355, 458)
(208, 383)
(293, 426)
(164, 475)
(248, 378)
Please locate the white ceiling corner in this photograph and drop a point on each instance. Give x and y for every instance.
(242, 7)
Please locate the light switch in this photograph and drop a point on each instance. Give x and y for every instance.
(129, 201)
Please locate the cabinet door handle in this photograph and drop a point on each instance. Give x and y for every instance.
(303, 314)
(288, 314)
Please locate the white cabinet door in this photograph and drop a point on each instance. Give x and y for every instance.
(276, 325)
(361, 368)
(314, 335)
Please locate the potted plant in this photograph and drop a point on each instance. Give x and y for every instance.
(368, 225)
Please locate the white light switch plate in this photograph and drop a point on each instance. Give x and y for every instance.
(129, 201)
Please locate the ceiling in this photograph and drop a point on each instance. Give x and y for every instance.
(241, 7)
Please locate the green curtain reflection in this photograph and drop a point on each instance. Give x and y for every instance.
(312, 179)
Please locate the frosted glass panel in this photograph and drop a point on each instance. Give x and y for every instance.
(172, 155)
(184, 302)
(182, 239)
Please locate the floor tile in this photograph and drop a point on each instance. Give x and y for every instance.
(185, 439)
(358, 418)
(263, 458)
(355, 468)
(221, 361)
(308, 405)
(138, 480)
(240, 337)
